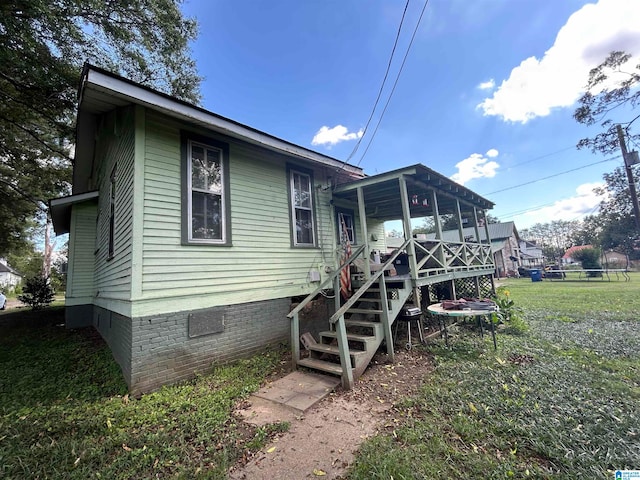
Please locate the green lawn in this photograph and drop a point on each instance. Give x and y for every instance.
(559, 401)
(64, 412)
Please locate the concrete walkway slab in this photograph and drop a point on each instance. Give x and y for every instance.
(299, 390)
(286, 399)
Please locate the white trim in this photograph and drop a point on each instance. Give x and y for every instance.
(137, 94)
(72, 199)
(60, 209)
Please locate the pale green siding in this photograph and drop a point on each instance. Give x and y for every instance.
(261, 263)
(82, 238)
(115, 146)
(376, 228)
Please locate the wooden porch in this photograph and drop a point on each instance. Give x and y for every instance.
(362, 323)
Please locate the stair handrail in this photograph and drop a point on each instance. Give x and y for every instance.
(324, 284)
(365, 286)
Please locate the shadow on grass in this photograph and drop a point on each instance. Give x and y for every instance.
(42, 362)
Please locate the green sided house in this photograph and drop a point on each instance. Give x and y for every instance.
(194, 239)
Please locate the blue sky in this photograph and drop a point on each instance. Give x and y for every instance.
(486, 94)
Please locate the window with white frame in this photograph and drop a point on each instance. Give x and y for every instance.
(206, 220)
(302, 220)
(345, 224)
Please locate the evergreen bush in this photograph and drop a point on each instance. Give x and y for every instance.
(37, 293)
(589, 258)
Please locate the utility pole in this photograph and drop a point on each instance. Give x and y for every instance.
(629, 160)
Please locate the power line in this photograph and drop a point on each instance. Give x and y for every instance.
(394, 83)
(539, 207)
(552, 176)
(543, 156)
(384, 80)
(530, 209)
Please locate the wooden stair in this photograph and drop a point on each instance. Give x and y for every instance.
(364, 325)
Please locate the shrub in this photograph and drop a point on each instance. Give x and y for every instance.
(589, 258)
(37, 293)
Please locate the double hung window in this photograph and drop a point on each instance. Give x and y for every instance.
(302, 214)
(206, 194)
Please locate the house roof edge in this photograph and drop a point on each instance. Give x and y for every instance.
(107, 82)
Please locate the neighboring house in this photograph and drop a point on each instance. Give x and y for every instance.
(393, 243)
(567, 258)
(613, 259)
(608, 259)
(504, 244)
(192, 237)
(9, 278)
(531, 254)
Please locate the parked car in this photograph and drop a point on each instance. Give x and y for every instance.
(3, 301)
(551, 271)
(524, 271)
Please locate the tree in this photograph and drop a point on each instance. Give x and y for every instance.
(37, 293)
(43, 45)
(492, 219)
(587, 232)
(589, 258)
(26, 260)
(616, 228)
(553, 237)
(610, 90)
(428, 226)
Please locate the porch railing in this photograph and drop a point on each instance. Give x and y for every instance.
(435, 257)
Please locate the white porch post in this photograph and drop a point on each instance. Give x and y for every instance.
(406, 225)
(436, 219)
(411, 248)
(461, 234)
(475, 226)
(362, 212)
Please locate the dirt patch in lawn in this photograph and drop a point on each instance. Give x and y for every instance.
(322, 442)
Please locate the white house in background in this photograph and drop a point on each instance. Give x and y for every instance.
(9, 278)
(530, 254)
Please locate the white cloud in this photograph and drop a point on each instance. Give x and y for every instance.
(536, 86)
(476, 166)
(335, 135)
(488, 85)
(585, 202)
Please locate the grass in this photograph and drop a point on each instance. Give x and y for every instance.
(559, 401)
(65, 413)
